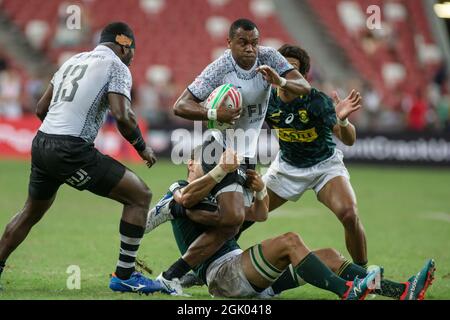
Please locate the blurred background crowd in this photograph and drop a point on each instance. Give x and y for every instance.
(399, 63)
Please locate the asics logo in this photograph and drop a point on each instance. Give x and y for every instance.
(357, 289)
(289, 119)
(134, 288)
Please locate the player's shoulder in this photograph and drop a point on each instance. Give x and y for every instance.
(267, 54)
(320, 96)
(223, 64)
(320, 101)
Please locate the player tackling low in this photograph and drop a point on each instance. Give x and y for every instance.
(250, 68)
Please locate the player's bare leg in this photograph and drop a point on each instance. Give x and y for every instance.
(274, 203)
(264, 263)
(339, 197)
(134, 194)
(20, 225)
(232, 214)
(275, 200)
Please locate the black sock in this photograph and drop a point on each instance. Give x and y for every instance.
(130, 239)
(2, 266)
(287, 280)
(388, 288)
(177, 270)
(177, 210)
(315, 272)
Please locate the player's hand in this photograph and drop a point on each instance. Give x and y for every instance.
(254, 181)
(270, 75)
(346, 107)
(229, 161)
(228, 115)
(148, 156)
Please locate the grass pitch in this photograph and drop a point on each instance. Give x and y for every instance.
(406, 213)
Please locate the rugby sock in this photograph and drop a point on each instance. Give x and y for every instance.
(315, 272)
(177, 210)
(388, 288)
(288, 280)
(177, 270)
(130, 239)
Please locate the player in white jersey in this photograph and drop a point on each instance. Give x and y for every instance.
(72, 110)
(253, 69)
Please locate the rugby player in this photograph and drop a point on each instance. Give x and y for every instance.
(72, 110)
(308, 158)
(245, 66)
(276, 264)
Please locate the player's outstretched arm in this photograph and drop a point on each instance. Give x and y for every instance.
(121, 110)
(259, 210)
(44, 103)
(292, 82)
(198, 189)
(344, 130)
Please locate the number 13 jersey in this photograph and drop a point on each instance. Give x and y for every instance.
(80, 93)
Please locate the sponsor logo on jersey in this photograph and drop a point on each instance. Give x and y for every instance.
(289, 119)
(293, 135)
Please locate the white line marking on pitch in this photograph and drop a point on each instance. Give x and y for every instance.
(440, 216)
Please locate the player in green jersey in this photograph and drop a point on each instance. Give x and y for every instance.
(274, 265)
(308, 158)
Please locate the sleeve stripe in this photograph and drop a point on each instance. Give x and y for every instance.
(286, 72)
(190, 91)
(120, 93)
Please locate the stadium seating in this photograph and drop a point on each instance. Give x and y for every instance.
(396, 56)
(165, 37)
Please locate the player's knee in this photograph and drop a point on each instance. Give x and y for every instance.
(349, 216)
(143, 197)
(331, 257)
(291, 241)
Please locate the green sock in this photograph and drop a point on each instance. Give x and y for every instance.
(287, 280)
(316, 273)
(350, 271)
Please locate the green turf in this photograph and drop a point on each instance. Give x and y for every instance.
(406, 213)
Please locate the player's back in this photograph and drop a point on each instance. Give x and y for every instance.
(79, 103)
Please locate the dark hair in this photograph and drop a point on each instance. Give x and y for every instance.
(114, 29)
(245, 24)
(290, 51)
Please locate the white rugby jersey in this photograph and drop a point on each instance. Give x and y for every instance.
(254, 89)
(80, 93)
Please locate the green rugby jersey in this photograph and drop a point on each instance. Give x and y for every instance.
(304, 127)
(187, 231)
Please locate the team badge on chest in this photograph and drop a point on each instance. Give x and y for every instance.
(303, 115)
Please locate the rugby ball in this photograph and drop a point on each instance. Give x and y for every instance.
(226, 95)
